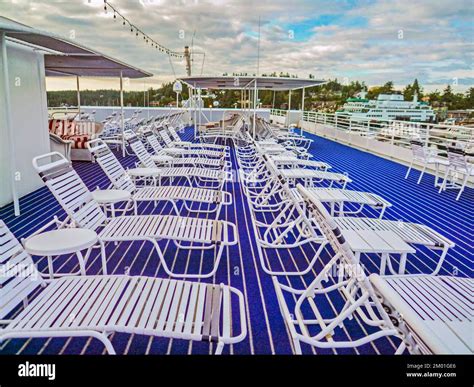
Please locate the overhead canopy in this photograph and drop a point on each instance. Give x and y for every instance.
(67, 57)
(241, 82)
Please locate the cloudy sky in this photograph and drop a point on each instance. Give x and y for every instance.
(369, 40)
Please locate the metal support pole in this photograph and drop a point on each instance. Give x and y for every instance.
(8, 121)
(195, 112)
(200, 108)
(122, 121)
(78, 95)
(302, 110)
(289, 109)
(255, 99)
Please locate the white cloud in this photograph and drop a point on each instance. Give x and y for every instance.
(436, 45)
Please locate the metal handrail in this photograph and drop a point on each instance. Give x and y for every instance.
(395, 132)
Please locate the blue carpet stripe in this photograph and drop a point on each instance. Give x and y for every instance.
(240, 266)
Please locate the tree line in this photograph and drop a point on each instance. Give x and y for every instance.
(329, 96)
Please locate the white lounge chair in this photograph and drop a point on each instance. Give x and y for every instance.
(425, 156)
(177, 142)
(343, 281)
(185, 232)
(98, 306)
(160, 156)
(293, 161)
(338, 198)
(280, 225)
(389, 237)
(202, 177)
(438, 310)
(457, 164)
(310, 177)
(119, 178)
(429, 314)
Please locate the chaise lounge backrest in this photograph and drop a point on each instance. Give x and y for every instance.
(69, 190)
(139, 149)
(109, 163)
(19, 276)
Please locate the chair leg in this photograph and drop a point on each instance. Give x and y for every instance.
(436, 175)
(219, 348)
(421, 174)
(297, 347)
(445, 179)
(409, 170)
(464, 182)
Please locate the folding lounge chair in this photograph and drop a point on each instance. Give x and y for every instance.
(338, 198)
(293, 161)
(417, 308)
(365, 234)
(312, 177)
(174, 151)
(97, 306)
(202, 177)
(343, 281)
(437, 310)
(160, 156)
(119, 178)
(189, 145)
(457, 164)
(308, 176)
(280, 225)
(165, 153)
(425, 156)
(76, 200)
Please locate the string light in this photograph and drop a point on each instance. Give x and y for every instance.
(146, 38)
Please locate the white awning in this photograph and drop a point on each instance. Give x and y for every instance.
(65, 57)
(241, 82)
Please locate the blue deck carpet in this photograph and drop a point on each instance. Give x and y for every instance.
(240, 266)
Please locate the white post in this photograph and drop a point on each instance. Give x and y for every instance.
(78, 95)
(289, 109)
(255, 95)
(8, 119)
(122, 123)
(200, 107)
(302, 111)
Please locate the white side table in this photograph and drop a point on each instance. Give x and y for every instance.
(145, 174)
(107, 198)
(60, 242)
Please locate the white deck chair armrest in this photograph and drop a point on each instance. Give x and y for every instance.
(41, 168)
(242, 318)
(226, 198)
(228, 176)
(234, 232)
(440, 240)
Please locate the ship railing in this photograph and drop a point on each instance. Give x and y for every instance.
(394, 132)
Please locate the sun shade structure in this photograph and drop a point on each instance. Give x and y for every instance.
(24, 47)
(241, 82)
(66, 57)
(250, 85)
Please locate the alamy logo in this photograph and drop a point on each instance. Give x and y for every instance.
(37, 370)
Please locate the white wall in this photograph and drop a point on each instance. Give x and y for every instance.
(29, 116)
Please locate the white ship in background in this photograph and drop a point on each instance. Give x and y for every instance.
(387, 107)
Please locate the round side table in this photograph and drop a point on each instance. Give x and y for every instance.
(107, 198)
(60, 242)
